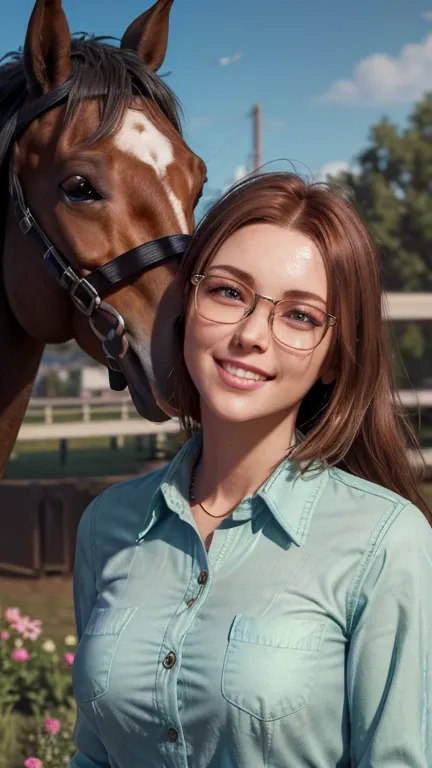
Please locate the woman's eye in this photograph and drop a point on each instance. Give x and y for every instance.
(78, 189)
(300, 318)
(230, 293)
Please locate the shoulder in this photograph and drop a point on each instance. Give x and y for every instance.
(116, 514)
(369, 521)
(375, 508)
(396, 539)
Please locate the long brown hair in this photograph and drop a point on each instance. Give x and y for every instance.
(357, 423)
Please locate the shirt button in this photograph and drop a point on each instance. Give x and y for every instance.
(191, 602)
(202, 578)
(169, 660)
(172, 734)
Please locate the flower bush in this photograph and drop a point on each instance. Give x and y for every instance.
(51, 745)
(36, 686)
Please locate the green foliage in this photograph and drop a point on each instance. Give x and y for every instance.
(51, 740)
(392, 189)
(37, 709)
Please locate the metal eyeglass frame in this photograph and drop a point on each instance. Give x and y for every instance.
(197, 279)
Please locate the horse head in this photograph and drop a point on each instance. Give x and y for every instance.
(99, 170)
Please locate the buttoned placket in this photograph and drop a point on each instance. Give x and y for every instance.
(204, 566)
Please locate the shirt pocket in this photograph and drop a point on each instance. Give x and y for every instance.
(271, 664)
(95, 651)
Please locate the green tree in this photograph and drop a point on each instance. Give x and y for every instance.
(392, 189)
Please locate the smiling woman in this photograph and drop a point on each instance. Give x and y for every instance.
(289, 620)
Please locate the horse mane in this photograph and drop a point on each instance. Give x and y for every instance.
(99, 69)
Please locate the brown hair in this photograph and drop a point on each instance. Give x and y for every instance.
(357, 423)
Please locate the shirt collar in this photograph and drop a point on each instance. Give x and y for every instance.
(290, 495)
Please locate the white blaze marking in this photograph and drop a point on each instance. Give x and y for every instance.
(150, 146)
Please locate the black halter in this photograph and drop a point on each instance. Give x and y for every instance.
(87, 293)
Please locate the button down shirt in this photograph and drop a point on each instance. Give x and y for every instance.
(301, 639)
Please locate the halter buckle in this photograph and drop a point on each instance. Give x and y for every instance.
(114, 331)
(89, 300)
(26, 222)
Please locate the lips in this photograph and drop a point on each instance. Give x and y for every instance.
(238, 377)
(242, 370)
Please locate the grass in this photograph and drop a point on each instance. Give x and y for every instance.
(47, 599)
(86, 458)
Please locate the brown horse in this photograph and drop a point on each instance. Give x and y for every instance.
(98, 186)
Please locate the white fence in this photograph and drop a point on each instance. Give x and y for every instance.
(81, 422)
(407, 306)
(54, 418)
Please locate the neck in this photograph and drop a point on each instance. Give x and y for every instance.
(238, 458)
(19, 360)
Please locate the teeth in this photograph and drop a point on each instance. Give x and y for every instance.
(242, 374)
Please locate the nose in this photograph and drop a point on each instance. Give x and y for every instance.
(254, 330)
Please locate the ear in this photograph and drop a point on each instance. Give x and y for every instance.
(148, 35)
(47, 46)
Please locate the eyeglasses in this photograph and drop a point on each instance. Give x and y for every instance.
(294, 323)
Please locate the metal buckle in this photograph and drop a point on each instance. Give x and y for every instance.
(26, 222)
(114, 331)
(112, 362)
(90, 293)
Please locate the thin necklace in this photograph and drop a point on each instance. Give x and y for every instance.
(193, 498)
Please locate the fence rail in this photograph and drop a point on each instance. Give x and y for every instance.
(50, 418)
(84, 426)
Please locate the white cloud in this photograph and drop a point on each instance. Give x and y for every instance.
(383, 79)
(225, 61)
(427, 15)
(331, 169)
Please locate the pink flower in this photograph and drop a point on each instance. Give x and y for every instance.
(69, 658)
(30, 630)
(33, 762)
(20, 654)
(12, 614)
(51, 725)
(4, 635)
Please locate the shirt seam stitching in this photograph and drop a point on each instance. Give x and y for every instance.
(383, 526)
(359, 487)
(93, 541)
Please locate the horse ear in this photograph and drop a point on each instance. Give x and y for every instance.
(47, 58)
(148, 34)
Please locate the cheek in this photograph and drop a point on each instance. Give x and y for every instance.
(305, 368)
(202, 337)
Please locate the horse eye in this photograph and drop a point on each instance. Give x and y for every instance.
(78, 189)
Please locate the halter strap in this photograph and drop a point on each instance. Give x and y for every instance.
(38, 107)
(136, 261)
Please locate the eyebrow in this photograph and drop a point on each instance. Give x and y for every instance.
(292, 293)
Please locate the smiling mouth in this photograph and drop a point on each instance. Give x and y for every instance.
(237, 377)
(242, 373)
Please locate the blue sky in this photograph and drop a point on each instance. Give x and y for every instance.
(289, 57)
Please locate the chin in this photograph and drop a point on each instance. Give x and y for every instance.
(234, 410)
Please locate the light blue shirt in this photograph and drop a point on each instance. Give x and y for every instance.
(302, 639)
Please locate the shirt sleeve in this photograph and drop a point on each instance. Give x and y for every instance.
(389, 663)
(91, 752)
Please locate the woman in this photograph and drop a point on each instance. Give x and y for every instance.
(265, 600)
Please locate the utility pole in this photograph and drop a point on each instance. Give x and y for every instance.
(257, 137)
